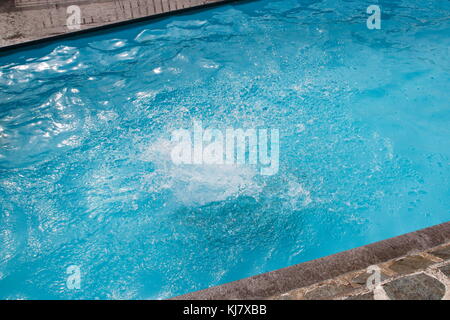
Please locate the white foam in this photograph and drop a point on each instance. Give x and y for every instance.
(197, 184)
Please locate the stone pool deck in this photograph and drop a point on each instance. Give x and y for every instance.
(28, 20)
(414, 266)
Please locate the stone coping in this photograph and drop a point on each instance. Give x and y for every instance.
(279, 282)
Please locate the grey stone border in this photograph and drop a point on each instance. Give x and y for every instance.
(283, 280)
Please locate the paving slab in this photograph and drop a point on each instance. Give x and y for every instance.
(364, 296)
(410, 264)
(328, 291)
(443, 252)
(445, 270)
(415, 287)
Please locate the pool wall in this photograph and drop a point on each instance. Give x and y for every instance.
(414, 250)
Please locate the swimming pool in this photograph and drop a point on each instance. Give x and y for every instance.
(87, 179)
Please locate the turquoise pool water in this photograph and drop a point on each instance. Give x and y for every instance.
(86, 177)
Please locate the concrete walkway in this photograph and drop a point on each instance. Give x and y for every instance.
(26, 20)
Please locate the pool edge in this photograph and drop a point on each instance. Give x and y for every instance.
(266, 285)
(7, 49)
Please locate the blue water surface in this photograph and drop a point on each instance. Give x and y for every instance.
(86, 177)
